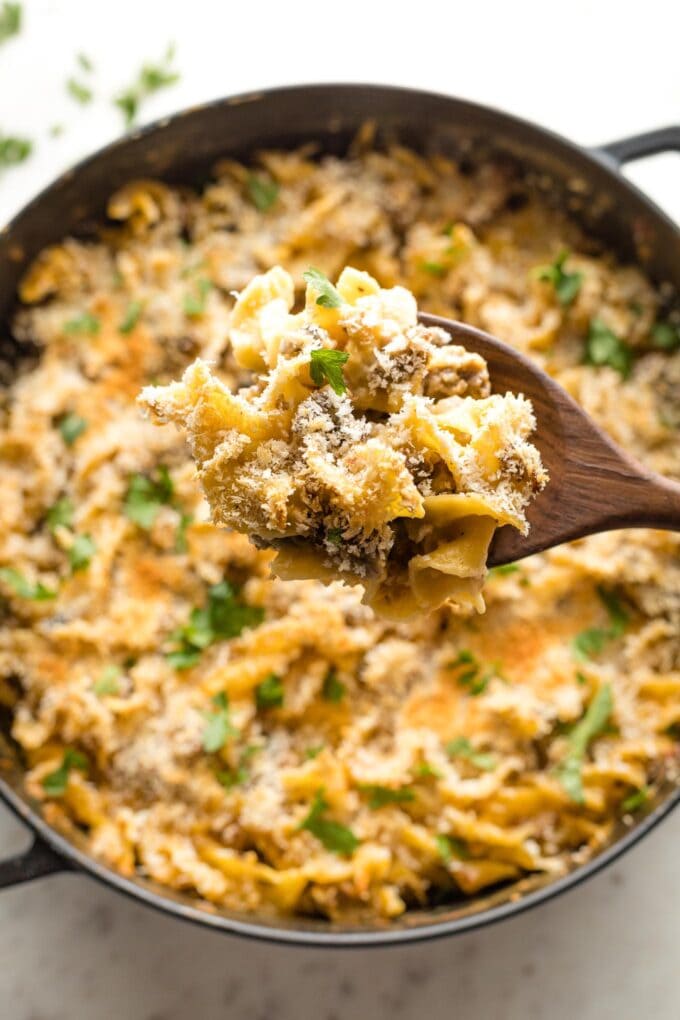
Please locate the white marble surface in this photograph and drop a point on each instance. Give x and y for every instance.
(72, 950)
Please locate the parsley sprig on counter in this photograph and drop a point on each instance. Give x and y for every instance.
(81, 93)
(54, 784)
(566, 285)
(10, 21)
(150, 79)
(14, 150)
(334, 836)
(593, 723)
(224, 616)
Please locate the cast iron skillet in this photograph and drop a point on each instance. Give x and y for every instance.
(182, 149)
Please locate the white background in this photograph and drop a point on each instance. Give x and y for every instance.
(70, 950)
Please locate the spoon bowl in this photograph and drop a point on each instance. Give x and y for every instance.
(594, 486)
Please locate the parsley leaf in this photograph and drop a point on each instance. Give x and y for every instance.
(566, 285)
(85, 62)
(603, 347)
(181, 538)
(618, 616)
(433, 268)
(450, 847)
(504, 570)
(224, 616)
(471, 676)
(329, 296)
(81, 552)
(334, 836)
(460, 747)
(326, 366)
(590, 726)
(666, 336)
(635, 800)
(54, 784)
(382, 795)
(131, 317)
(87, 323)
(60, 514)
(15, 580)
(592, 641)
(312, 752)
(269, 693)
(107, 682)
(146, 495)
(194, 303)
(81, 93)
(334, 536)
(71, 426)
(14, 150)
(332, 688)
(424, 770)
(10, 21)
(218, 727)
(262, 192)
(150, 79)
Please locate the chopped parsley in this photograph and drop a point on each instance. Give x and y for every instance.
(593, 723)
(71, 426)
(218, 726)
(150, 79)
(234, 777)
(81, 93)
(310, 753)
(603, 347)
(85, 62)
(379, 796)
(666, 336)
(566, 285)
(329, 296)
(194, 303)
(15, 580)
(332, 688)
(635, 800)
(54, 784)
(326, 366)
(434, 268)
(56, 130)
(593, 640)
(471, 676)
(461, 747)
(504, 570)
(60, 514)
(146, 495)
(14, 149)
(224, 616)
(424, 770)
(334, 536)
(181, 538)
(269, 693)
(334, 836)
(450, 847)
(262, 192)
(131, 317)
(107, 682)
(81, 552)
(10, 21)
(85, 324)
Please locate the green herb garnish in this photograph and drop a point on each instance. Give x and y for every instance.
(504, 570)
(450, 847)
(85, 62)
(593, 640)
(566, 285)
(224, 616)
(150, 79)
(269, 693)
(434, 268)
(461, 747)
(334, 836)
(81, 552)
(593, 723)
(310, 753)
(146, 495)
(131, 317)
(14, 150)
(326, 366)
(56, 130)
(181, 538)
(379, 796)
(471, 676)
(603, 347)
(262, 192)
(666, 336)
(10, 21)
(107, 683)
(635, 800)
(54, 784)
(218, 727)
(85, 324)
(81, 93)
(60, 514)
(334, 536)
(194, 303)
(332, 688)
(329, 296)
(71, 426)
(15, 580)
(424, 770)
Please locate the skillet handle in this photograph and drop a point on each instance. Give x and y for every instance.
(650, 143)
(35, 862)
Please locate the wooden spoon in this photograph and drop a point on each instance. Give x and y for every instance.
(594, 486)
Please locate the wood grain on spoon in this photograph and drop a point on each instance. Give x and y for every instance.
(594, 486)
